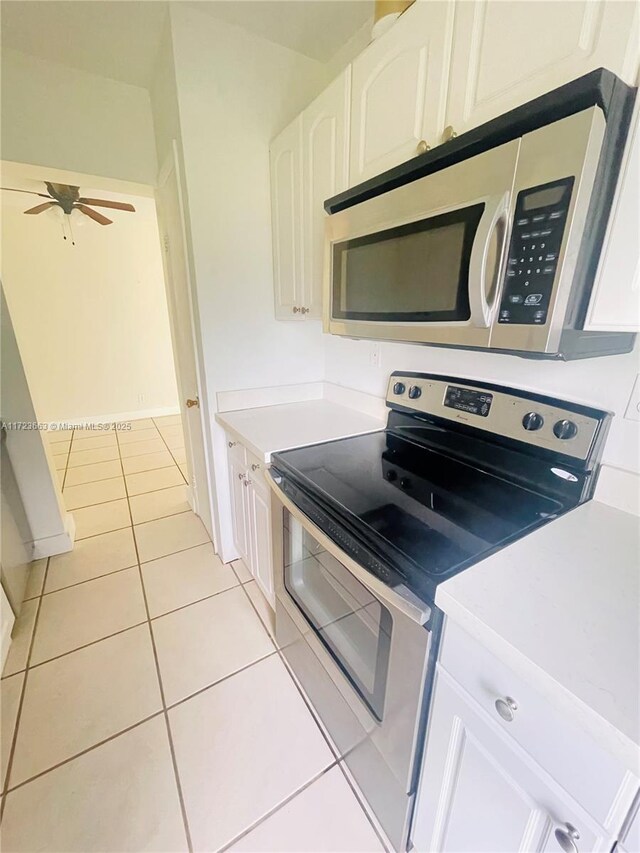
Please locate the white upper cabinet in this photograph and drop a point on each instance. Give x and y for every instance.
(507, 53)
(399, 88)
(286, 219)
(325, 136)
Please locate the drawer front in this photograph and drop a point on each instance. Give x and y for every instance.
(555, 741)
(256, 468)
(236, 450)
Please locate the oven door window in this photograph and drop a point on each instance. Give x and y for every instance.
(352, 624)
(413, 273)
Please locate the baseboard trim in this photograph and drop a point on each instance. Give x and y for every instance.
(118, 417)
(60, 543)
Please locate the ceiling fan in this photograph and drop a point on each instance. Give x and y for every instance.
(68, 198)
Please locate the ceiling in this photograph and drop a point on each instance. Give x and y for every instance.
(315, 28)
(120, 39)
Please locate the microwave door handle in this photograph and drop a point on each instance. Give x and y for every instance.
(496, 212)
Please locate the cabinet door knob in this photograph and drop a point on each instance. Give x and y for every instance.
(241, 476)
(255, 466)
(423, 147)
(506, 708)
(231, 443)
(192, 403)
(304, 310)
(566, 836)
(449, 133)
(247, 482)
(296, 310)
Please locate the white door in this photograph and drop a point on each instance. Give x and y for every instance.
(240, 508)
(261, 559)
(507, 52)
(399, 90)
(481, 793)
(325, 137)
(286, 220)
(171, 220)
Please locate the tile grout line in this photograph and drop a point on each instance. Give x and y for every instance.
(277, 808)
(77, 648)
(360, 798)
(14, 739)
(174, 761)
(335, 752)
(168, 448)
(66, 466)
(84, 751)
(220, 680)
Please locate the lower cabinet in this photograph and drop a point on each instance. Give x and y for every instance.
(251, 515)
(482, 792)
(505, 771)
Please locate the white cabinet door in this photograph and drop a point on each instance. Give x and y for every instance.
(399, 90)
(325, 137)
(480, 791)
(239, 507)
(615, 300)
(261, 559)
(286, 220)
(506, 52)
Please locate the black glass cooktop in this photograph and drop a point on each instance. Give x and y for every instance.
(426, 513)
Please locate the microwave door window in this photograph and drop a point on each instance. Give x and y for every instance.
(413, 273)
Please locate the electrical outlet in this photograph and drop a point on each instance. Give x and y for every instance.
(633, 406)
(375, 356)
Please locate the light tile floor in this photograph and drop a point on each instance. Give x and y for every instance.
(144, 703)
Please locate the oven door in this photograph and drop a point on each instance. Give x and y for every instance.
(422, 262)
(360, 650)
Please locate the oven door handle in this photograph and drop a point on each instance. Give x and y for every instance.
(481, 301)
(399, 598)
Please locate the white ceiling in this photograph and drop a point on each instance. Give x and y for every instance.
(315, 28)
(120, 39)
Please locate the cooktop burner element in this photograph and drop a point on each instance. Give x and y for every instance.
(462, 469)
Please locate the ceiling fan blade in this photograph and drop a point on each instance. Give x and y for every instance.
(39, 208)
(29, 192)
(101, 202)
(93, 214)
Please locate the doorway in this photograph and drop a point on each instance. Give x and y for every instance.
(103, 330)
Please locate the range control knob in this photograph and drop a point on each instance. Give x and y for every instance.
(399, 388)
(532, 421)
(415, 392)
(391, 475)
(564, 429)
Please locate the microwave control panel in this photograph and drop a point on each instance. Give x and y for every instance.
(536, 237)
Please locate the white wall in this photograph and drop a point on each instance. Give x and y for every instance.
(57, 116)
(91, 319)
(235, 92)
(602, 382)
(51, 527)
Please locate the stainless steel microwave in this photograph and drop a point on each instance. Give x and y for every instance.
(496, 250)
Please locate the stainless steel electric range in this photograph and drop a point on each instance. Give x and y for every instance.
(364, 530)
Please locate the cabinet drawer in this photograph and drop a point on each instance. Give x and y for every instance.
(236, 450)
(555, 741)
(256, 468)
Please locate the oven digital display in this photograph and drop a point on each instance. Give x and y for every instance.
(468, 400)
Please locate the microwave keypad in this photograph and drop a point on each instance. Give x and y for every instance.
(536, 238)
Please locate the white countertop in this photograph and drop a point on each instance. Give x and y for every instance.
(266, 429)
(562, 607)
